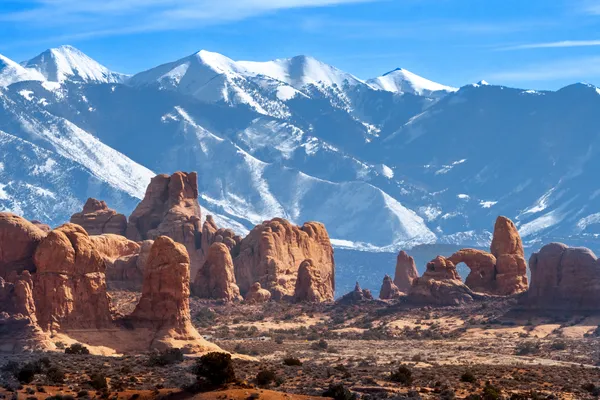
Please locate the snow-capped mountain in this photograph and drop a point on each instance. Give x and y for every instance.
(301, 71)
(67, 63)
(403, 81)
(11, 72)
(385, 163)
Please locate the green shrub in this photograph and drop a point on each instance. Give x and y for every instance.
(98, 381)
(526, 348)
(265, 377)
(491, 392)
(339, 392)
(166, 357)
(402, 375)
(292, 362)
(55, 375)
(468, 377)
(216, 367)
(320, 345)
(77, 348)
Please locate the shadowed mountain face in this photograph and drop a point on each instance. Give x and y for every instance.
(386, 164)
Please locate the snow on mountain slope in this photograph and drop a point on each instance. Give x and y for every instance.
(214, 78)
(72, 142)
(41, 184)
(403, 81)
(300, 71)
(11, 72)
(67, 63)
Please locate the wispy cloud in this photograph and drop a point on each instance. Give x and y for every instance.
(549, 45)
(89, 18)
(568, 69)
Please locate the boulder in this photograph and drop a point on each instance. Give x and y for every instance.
(97, 219)
(216, 278)
(406, 272)
(257, 295)
(19, 239)
(389, 290)
(563, 278)
(170, 208)
(310, 286)
(70, 285)
(272, 252)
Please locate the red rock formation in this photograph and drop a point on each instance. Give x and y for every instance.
(70, 285)
(273, 251)
(164, 307)
(441, 268)
(43, 227)
(216, 278)
(564, 278)
(389, 290)
(310, 286)
(503, 271)
(440, 285)
(511, 268)
(257, 295)
(121, 257)
(506, 238)
(97, 219)
(358, 295)
(166, 289)
(18, 240)
(19, 330)
(482, 277)
(170, 208)
(406, 272)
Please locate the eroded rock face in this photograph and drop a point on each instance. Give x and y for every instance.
(482, 277)
(18, 240)
(441, 268)
(358, 295)
(564, 278)
(42, 226)
(170, 208)
(216, 278)
(121, 257)
(502, 272)
(97, 219)
(406, 272)
(257, 295)
(389, 290)
(310, 286)
(70, 284)
(506, 238)
(19, 330)
(511, 268)
(440, 285)
(166, 289)
(272, 252)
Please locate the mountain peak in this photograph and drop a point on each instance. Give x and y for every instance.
(401, 80)
(69, 63)
(12, 72)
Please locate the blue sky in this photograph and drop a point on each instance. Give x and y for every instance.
(541, 44)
